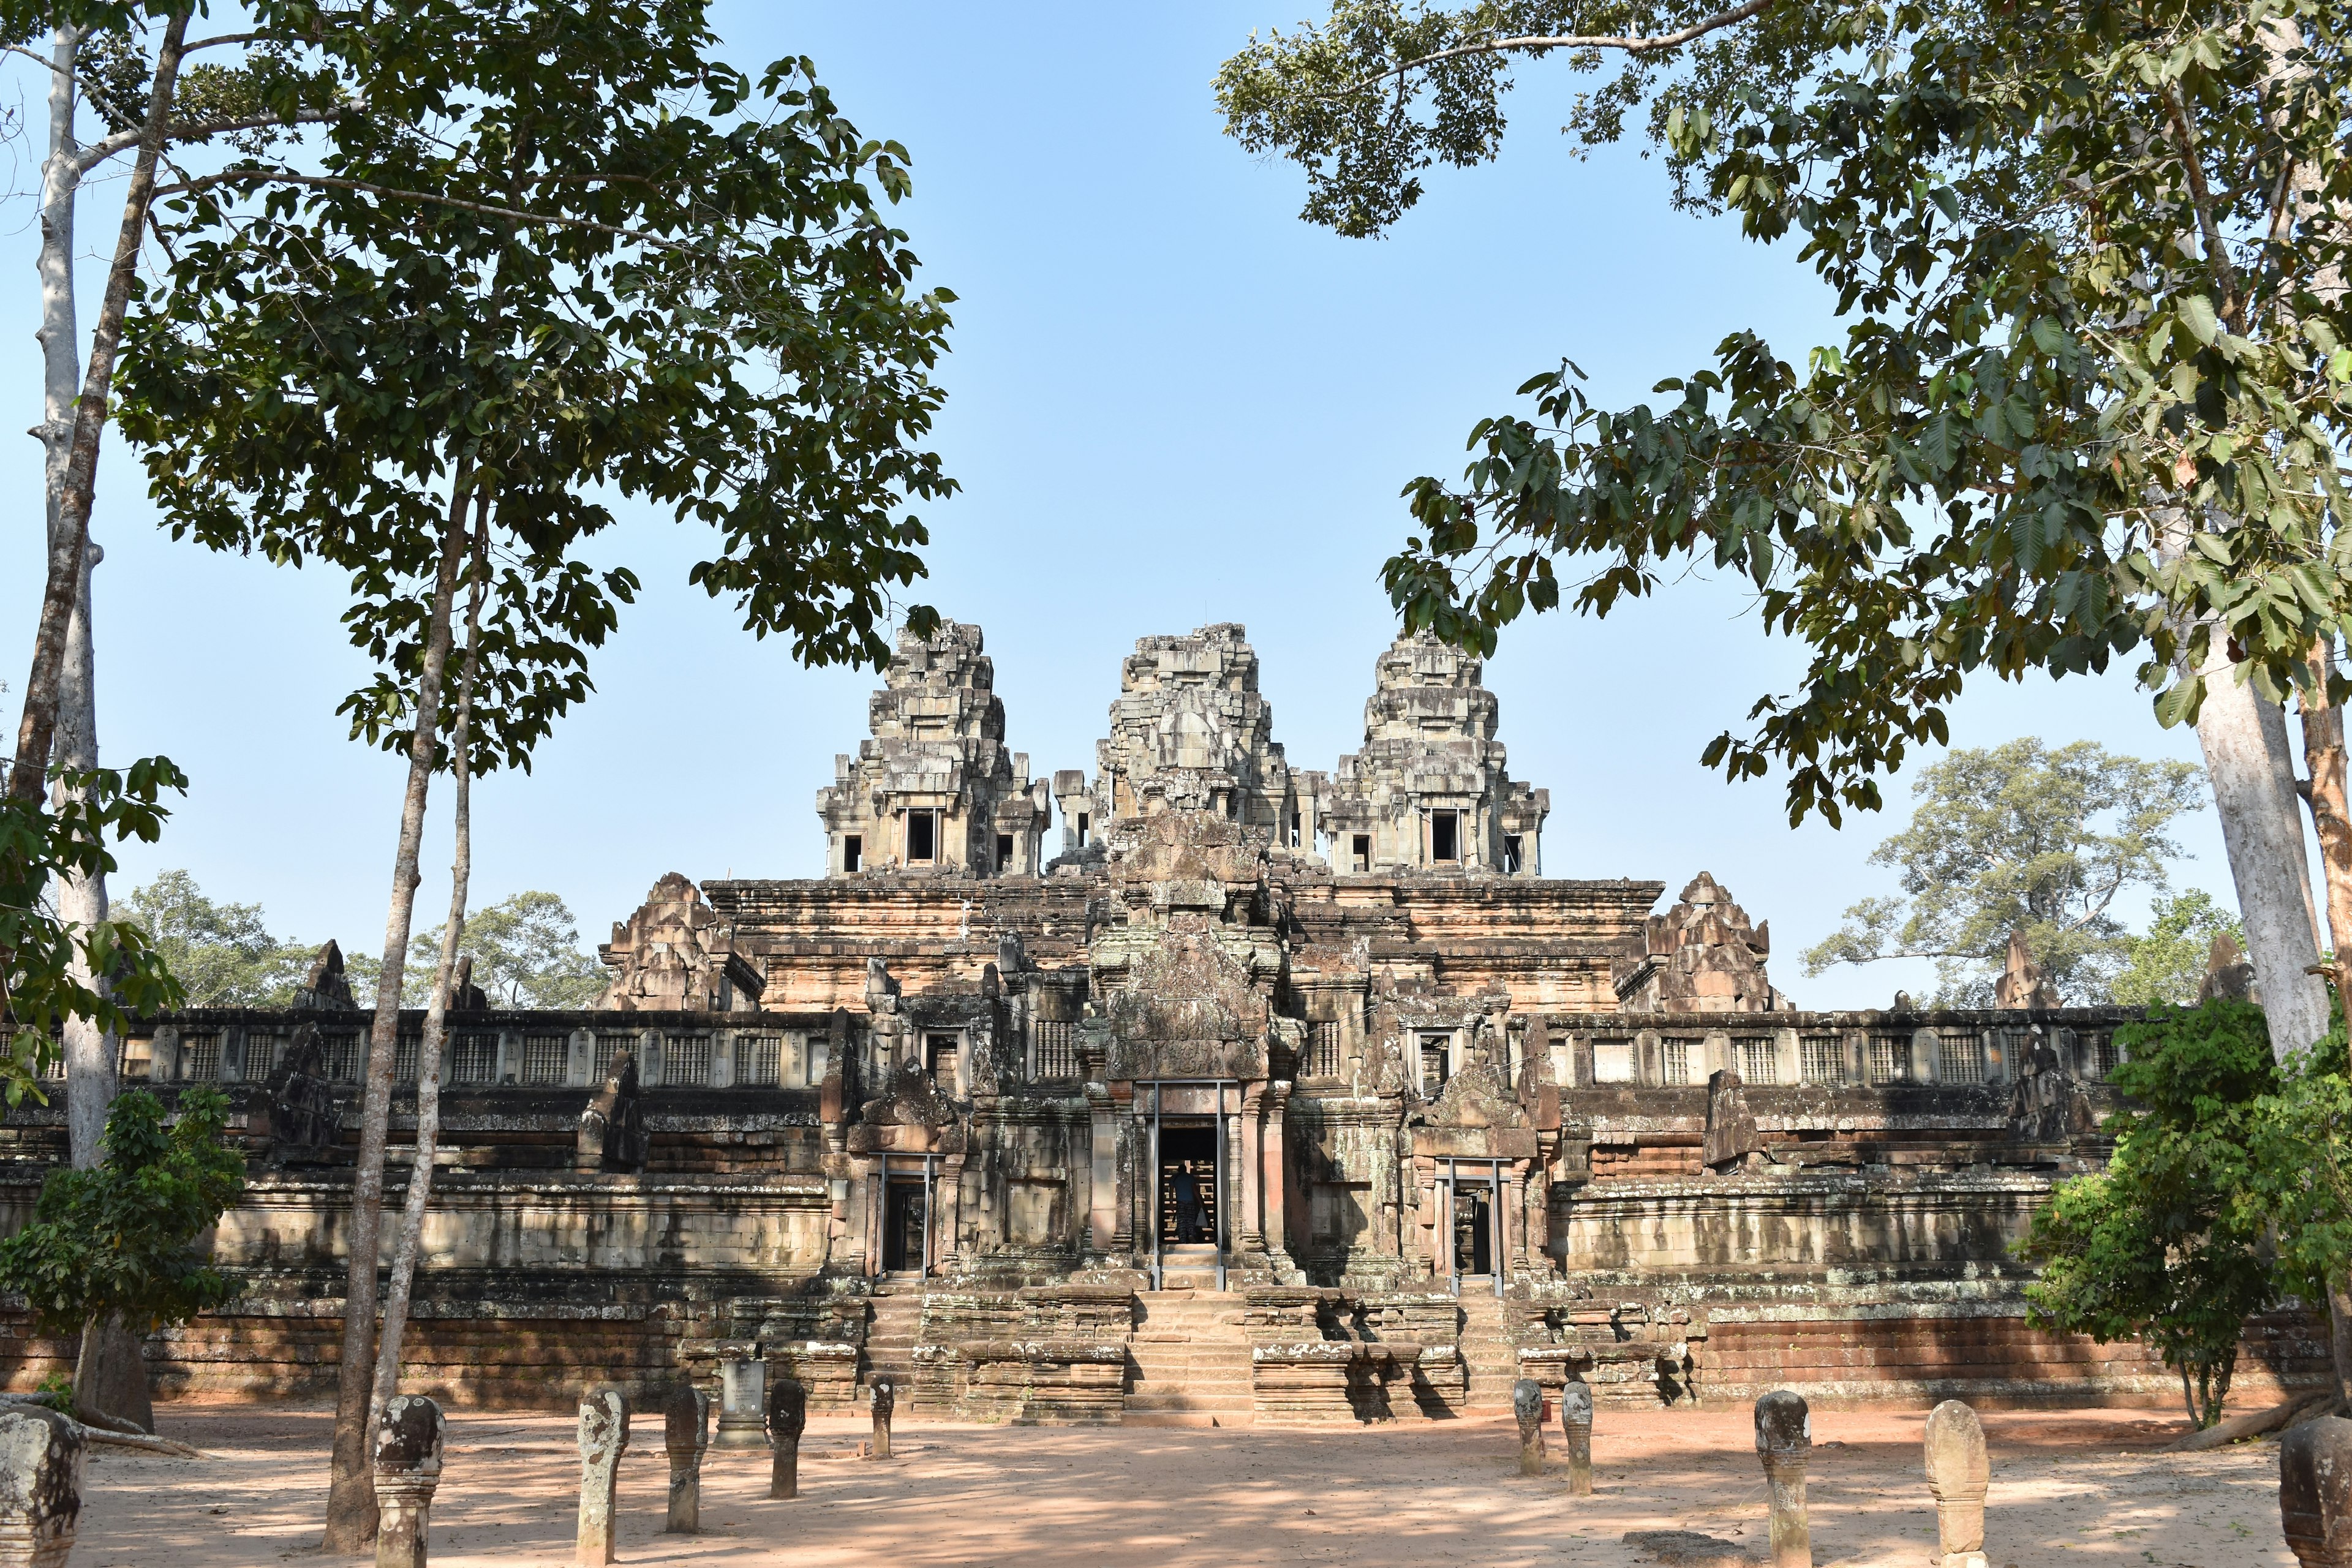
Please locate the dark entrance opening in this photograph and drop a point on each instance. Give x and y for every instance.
(1473, 1229)
(904, 1212)
(1444, 840)
(1187, 1185)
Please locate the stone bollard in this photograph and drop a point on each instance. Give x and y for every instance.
(1576, 1424)
(1526, 1403)
(603, 1435)
(40, 1487)
(686, 1433)
(1957, 1475)
(742, 1395)
(1784, 1441)
(886, 1399)
(408, 1435)
(787, 1419)
(2315, 1492)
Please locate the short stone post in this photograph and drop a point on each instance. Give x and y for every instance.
(40, 1487)
(1784, 1441)
(2315, 1492)
(787, 1419)
(1526, 1403)
(1957, 1474)
(604, 1435)
(1576, 1424)
(408, 1436)
(742, 1393)
(686, 1433)
(886, 1399)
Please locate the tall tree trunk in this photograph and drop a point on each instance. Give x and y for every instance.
(436, 1014)
(351, 1494)
(2289, 790)
(2331, 814)
(2262, 830)
(37, 729)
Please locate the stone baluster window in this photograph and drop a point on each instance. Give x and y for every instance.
(343, 1054)
(200, 1053)
(758, 1059)
(2101, 1053)
(474, 1059)
(1758, 1060)
(1323, 1049)
(1673, 1061)
(609, 1046)
(1820, 1060)
(1890, 1058)
(138, 1062)
(1056, 1048)
(686, 1061)
(1960, 1059)
(544, 1058)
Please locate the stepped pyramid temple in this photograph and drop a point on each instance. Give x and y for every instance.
(1199, 1087)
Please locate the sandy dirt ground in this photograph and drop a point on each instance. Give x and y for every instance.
(2072, 1488)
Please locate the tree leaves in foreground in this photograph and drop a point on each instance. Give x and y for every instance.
(2168, 1244)
(120, 1239)
(2021, 838)
(45, 962)
(2095, 381)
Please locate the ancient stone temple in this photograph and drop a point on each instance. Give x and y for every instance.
(1268, 1094)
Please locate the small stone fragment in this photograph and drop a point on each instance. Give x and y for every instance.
(1784, 1442)
(1957, 1475)
(2315, 1492)
(1526, 1403)
(787, 1419)
(40, 1487)
(686, 1433)
(603, 1437)
(886, 1399)
(1576, 1425)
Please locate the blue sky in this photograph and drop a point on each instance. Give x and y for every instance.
(1171, 403)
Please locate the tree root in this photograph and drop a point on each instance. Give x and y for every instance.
(2256, 1422)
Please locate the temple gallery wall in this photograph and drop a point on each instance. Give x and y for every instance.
(1199, 1087)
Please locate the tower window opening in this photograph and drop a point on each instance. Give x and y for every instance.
(1085, 821)
(853, 851)
(1003, 852)
(1294, 830)
(1444, 835)
(1514, 854)
(922, 835)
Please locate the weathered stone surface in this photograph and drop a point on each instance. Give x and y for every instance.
(326, 988)
(1784, 1442)
(787, 1419)
(2226, 973)
(686, 1434)
(1576, 1426)
(612, 1135)
(676, 953)
(1527, 1405)
(40, 1487)
(2021, 982)
(882, 1400)
(1190, 732)
(604, 1437)
(1701, 956)
(1732, 1139)
(1958, 1476)
(2315, 1492)
(406, 1459)
(743, 1401)
(296, 1109)
(2047, 1104)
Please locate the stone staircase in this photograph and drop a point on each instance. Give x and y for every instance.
(890, 1337)
(1190, 1361)
(1487, 1353)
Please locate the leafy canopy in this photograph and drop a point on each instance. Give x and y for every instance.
(2166, 964)
(2027, 839)
(122, 1236)
(2096, 381)
(221, 955)
(527, 954)
(2163, 1244)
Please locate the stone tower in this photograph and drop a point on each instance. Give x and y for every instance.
(1429, 790)
(934, 789)
(1190, 732)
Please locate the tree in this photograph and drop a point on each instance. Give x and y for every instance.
(2162, 1245)
(2299, 1169)
(564, 257)
(2020, 837)
(221, 955)
(118, 1241)
(527, 954)
(2168, 964)
(2091, 401)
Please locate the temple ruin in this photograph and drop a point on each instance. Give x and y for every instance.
(1253, 1092)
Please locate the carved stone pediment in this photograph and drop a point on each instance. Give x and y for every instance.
(911, 1115)
(1191, 1006)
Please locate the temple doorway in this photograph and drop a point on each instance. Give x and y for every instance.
(1189, 1209)
(1473, 1230)
(905, 1214)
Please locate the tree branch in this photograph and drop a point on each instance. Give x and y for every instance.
(488, 209)
(100, 151)
(1535, 44)
(2201, 196)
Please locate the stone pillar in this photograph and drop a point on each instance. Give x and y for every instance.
(604, 1435)
(685, 1432)
(1249, 1228)
(1274, 1146)
(1957, 1474)
(1784, 1441)
(742, 1395)
(1102, 1180)
(885, 1400)
(407, 1460)
(787, 1419)
(40, 1487)
(1526, 1403)
(1576, 1425)
(2315, 1492)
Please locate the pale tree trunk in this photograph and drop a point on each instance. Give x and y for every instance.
(2331, 814)
(436, 1013)
(37, 728)
(2262, 827)
(2289, 791)
(350, 1495)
